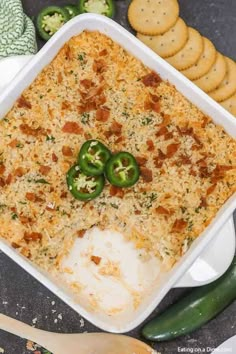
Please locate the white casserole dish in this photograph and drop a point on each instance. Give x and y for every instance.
(189, 90)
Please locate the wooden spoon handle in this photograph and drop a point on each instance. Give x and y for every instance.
(23, 330)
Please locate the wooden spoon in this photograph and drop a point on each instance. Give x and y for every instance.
(85, 343)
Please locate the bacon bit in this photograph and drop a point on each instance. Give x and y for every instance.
(25, 220)
(195, 147)
(50, 208)
(165, 121)
(93, 92)
(156, 107)
(68, 52)
(146, 173)
(27, 130)
(14, 143)
(150, 145)
(96, 259)
(116, 191)
(23, 103)
(192, 172)
(157, 162)
(172, 149)
(59, 78)
(162, 131)
(141, 160)
(116, 128)
(185, 130)
(100, 100)
(2, 169)
(147, 105)
(86, 83)
(15, 245)
(161, 155)
(163, 211)
(103, 114)
(87, 107)
(44, 170)
(219, 172)
(13, 209)
(223, 168)
(54, 157)
(103, 52)
(81, 233)
(2, 182)
(32, 197)
(154, 98)
(9, 179)
(99, 66)
(151, 79)
(65, 105)
(107, 134)
(168, 136)
(33, 236)
(202, 162)
(67, 151)
(179, 225)
(205, 121)
(87, 135)
(198, 141)
(203, 172)
(72, 128)
(184, 160)
(19, 172)
(63, 195)
(119, 140)
(137, 212)
(203, 203)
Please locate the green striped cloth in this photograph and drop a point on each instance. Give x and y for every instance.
(17, 32)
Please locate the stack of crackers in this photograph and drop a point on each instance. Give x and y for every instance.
(159, 26)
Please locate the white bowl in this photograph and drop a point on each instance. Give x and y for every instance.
(189, 90)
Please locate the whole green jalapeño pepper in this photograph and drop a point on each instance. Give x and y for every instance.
(84, 187)
(122, 170)
(102, 7)
(93, 157)
(50, 20)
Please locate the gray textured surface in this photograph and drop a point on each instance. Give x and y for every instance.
(24, 298)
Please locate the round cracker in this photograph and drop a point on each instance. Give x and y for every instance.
(205, 62)
(169, 43)
(153, 17)
(190, 53)
(228, 86)
(215, 75)
(230, 104)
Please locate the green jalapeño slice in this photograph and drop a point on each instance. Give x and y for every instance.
(50, 20)
(93, 157)
(102, 7)
(84, 187)
(122, 170)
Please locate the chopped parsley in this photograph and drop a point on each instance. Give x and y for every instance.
(114, 206)
(85, 118)
(81, 57)
(147, 120)
(19, 145)
(41, 180)
(50, 138)
(150, 198)
(125, 114)
(14, 216)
